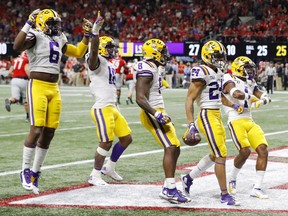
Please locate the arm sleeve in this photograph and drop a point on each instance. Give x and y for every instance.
(78, 51)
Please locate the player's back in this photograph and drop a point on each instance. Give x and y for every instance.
(210, 97)
(19, 64)
(149, 69)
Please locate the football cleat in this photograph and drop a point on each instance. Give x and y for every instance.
(7, 105)
(229, 200)
(25, 177)
(173, 196)
(96, 180)
(111, 173)
(187, 181)
(232, 187)
(258, 193)
(34, 179)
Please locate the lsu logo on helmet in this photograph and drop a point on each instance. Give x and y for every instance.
(107, 47)
(243, 67)
(155, 49)
(49, 22)
(214, 53)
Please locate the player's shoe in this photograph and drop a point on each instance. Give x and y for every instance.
(187, 181)
(25, 177)
(34, 179)
(232, 187)
(111, 173)
(259, 193)
(173, 196)
(96, 180)
(7, 105)
(229, 200)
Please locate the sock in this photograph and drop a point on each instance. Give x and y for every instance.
(203, 165)
(170, 183)
(39, 158)
(234, 173)
(117, 152)
(259, 178)
(27, 115)
(27, 157)
(110, 164)
(96, 173)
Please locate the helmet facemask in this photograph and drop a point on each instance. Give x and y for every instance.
(165, 56)
(111, 50)
(219, 60)
(249, 71)
(53, 27)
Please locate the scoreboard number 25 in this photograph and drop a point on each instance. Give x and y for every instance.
(281, 50)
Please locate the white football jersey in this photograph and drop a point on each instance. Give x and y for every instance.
(102, 85)
(210, 97)
(247, 87)
(45, 55)
(149, 69)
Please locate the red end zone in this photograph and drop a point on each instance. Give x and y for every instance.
(204, 194)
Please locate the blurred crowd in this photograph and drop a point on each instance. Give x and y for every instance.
(168, 20)
(270, 75)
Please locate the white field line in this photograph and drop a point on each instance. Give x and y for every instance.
(124, 156)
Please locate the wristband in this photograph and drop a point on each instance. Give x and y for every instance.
(94, 35)
(26, 27)
(232, 91)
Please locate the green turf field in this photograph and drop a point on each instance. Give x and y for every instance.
(76, 141)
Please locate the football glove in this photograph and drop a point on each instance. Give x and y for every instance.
(97, 25)
(265, 98)
(32, 17)
(87, 27)
(192, 128)
(256, 104)
(238, 108)
(162, 118)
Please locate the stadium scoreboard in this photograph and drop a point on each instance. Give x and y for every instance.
(268, 51)
(263, 51)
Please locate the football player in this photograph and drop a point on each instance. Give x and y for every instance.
(19, 70)
(45, 43)
(205, 88)
(120, 65)
(105, 113)
(242, 89)
(153, 116)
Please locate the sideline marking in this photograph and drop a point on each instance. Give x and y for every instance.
(203, 198)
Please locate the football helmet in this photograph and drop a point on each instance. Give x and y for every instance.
(243, 67)
(214, 53)
(49, 22)
(157, 50)
(107, 47)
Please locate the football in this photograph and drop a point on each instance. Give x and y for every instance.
(189, 140)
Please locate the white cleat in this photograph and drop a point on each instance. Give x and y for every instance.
(111, 173)
(96, 181)
(258, 193)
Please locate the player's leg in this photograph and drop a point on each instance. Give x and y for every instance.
(239, 133)
(166, 137)
(123, 131)
(105, 124)
(260, 144)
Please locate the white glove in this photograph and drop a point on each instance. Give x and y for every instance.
(97, 25)
(265, 98)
